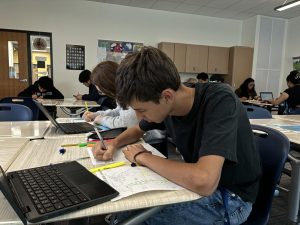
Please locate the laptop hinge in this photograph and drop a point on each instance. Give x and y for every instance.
(24, 209)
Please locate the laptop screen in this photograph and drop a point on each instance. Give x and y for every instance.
(47, 114)
(266, 96)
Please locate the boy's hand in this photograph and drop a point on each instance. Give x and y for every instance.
(102, 154)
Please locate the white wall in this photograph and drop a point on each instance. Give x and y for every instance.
(249, 32)
(83, 23)
(292, 47)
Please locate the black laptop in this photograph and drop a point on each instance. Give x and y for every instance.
(68, 128)
(266, 95)
(40, 193)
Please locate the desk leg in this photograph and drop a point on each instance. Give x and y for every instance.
(294, 194)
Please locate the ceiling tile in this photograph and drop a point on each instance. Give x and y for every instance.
(165, 5)
(234, 9)
(221, 4)
(197, 2)
(142, 3)
(187, 8)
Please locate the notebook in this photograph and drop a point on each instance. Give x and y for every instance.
(67, 128)
(266, 96)
(40, 193)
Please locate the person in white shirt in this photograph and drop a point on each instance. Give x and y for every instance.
(103, 77)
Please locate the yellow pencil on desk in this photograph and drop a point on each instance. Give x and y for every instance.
(108, 166)
(86, 106)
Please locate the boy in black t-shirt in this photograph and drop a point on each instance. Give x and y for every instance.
(210, 129)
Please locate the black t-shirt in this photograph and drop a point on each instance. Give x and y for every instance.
(218, 125)
(294, 96)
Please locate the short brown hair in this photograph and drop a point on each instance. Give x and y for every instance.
(144, 75)
(104, 75)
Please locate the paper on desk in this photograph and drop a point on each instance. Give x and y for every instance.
(119, 156)
(129, 180)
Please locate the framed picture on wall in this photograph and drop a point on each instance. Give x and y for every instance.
(296, 63)
(75, 57)
(115, 50)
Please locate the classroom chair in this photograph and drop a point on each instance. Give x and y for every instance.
(29, 102)
(255, 112)
(14, 112)
(273, 147)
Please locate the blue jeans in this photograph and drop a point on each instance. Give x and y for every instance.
(204, 211)
(295, 111)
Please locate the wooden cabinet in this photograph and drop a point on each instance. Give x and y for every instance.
(167, 48)
(239, 66)
(218, 60)
(176, 53)
(179, 56)
(196, 58)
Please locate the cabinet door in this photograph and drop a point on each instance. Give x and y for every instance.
(240, 65)
(218, 60)
(179, 57)
(196, 58)
(167, 48)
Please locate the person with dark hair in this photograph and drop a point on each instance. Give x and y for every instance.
(211, 130)
(104, 101)
(202, 77)
(292, 94)
(85, 79)
(247, 90)
(43, 88)
(103, 77)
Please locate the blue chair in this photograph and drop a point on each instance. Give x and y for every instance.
(273, 148)
(14, 112)
(27, 101)
(255, 112)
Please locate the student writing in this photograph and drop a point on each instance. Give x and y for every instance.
(210, 129)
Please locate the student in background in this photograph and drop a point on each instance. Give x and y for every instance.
(103, 77)
(43, 88)
(247, 90)
(210, 129)
(292, 94)
(85, 79)
(202, 77)
(104, 101)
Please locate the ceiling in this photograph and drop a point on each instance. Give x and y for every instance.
(232, 9)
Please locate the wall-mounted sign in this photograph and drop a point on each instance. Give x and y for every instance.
(116, 50)
(75, 57)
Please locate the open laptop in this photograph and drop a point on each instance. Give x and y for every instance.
(265, 96)
(68, 128)
(40, 193)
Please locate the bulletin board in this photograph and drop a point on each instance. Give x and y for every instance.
(115, 50)
(296, 63)
(75, 57)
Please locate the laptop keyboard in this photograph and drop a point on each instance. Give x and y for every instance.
(49, 190)
(76, 128)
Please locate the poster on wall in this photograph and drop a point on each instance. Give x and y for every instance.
(115, 50)
(296, 63)
(75, 57)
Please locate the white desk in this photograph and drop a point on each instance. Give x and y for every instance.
(42, 152)
(71, 103)
(24, 129)
(10, 149)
